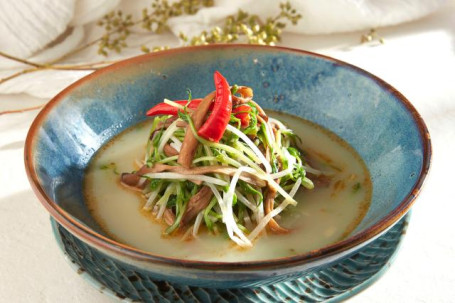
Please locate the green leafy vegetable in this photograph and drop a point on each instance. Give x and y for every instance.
(247, 162)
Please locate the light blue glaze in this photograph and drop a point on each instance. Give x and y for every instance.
(356, 106)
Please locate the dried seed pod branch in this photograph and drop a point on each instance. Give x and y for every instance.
(244, 27)
(241, 27)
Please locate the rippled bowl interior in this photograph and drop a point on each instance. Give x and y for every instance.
(356, 106)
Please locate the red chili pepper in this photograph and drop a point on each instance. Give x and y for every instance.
(242, 112)
(215, 125)
(166, 109)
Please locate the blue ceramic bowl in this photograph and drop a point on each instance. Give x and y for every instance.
(371, 115)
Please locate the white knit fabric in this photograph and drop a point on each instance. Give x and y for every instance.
(26, 26)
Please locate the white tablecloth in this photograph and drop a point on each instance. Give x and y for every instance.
(418, 58)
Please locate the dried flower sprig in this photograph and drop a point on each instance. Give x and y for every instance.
(118, 26)
(241, 27)
(46, 66)
(20, 110)
(372, 35)
(156, 19)
(244, 27)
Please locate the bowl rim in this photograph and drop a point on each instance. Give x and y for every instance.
(93, 238)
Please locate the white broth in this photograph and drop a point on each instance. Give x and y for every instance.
(324, 215)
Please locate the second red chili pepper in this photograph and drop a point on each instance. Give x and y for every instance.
(166, 109)
(242, 112)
